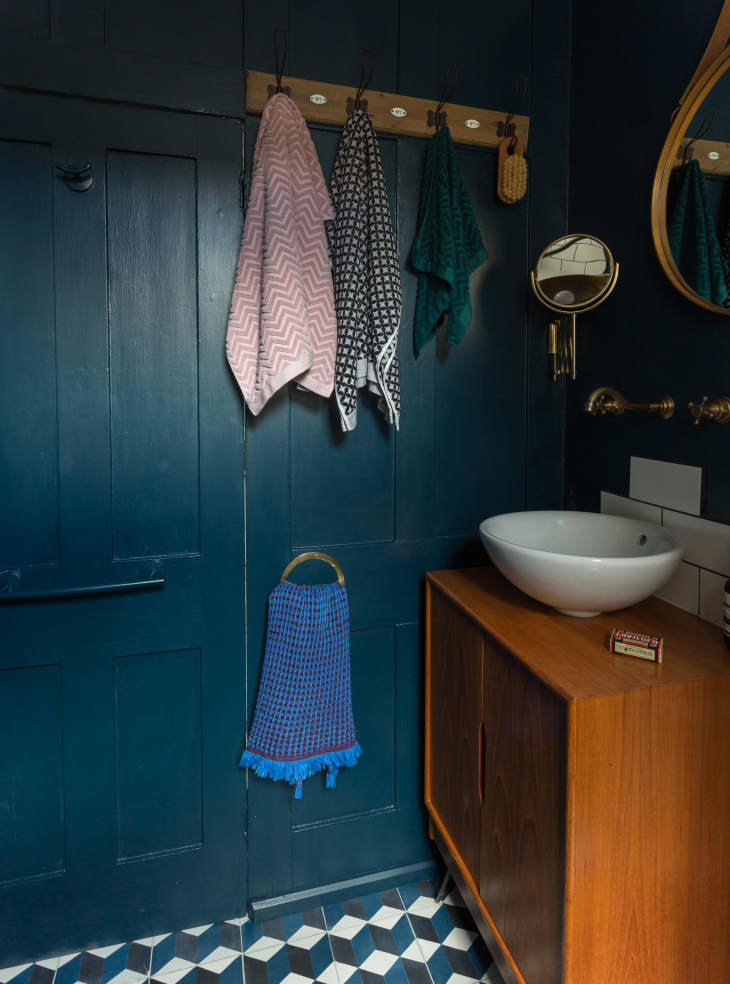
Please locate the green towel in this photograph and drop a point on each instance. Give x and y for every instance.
(448, 246)
(693, 238)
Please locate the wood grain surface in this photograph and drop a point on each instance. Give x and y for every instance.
(522, 867)
(648, 879)
(605, 817)
(571, 654)
(454, 716)
(412, 123)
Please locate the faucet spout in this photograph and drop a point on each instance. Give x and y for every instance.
(606, 399)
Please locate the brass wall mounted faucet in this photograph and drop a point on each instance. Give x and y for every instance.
(717, 410)
(606, 399)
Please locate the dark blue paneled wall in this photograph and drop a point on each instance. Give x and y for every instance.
(630, 66)
(482, 425)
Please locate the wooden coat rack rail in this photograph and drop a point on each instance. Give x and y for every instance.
(406, 116)
(713, 156)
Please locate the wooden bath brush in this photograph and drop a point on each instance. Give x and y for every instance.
(511, 171)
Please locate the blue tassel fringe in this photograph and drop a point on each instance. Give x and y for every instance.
(296, 772)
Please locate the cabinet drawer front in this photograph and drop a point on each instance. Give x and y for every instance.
(453, 718)
(523, 818)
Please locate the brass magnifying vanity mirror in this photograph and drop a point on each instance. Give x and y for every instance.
(690, 207)
(574, 274)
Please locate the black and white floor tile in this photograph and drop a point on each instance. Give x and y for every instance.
(453, 949)
(400, 936)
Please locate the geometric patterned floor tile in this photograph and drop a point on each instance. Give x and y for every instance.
(380, 907)
(203, 954)
(305, 958)
(123, 963)
(29, 973)
(449, 941)
(377, 950)
(228, 970)
(400, 936)
(286, 929)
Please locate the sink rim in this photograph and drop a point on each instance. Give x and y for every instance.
(672, 543)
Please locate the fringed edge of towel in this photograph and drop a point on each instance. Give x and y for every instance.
(296, 772)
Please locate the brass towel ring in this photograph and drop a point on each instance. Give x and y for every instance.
(314, 555)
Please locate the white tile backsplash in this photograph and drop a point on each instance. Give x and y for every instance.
(619, 505)
(663, 483)
(684, 589)
(712, 596)
(707, 544)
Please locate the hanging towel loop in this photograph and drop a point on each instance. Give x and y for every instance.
(358, 102)
(438, 118)
(314, 555)
(506, 128)
(702, 130)
(280, 33)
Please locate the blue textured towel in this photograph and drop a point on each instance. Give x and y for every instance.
(303, 721)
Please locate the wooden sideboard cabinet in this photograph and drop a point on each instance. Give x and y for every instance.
(581, 800)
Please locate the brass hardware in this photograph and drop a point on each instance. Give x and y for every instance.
(606, 399)
(571, 288)
(717, 410)
(561, 346)
(314, 555)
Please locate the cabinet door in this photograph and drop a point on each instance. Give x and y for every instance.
(522, 849)
(454, 696)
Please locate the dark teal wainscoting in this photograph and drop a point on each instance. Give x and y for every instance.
(481, 429)
(122, 717)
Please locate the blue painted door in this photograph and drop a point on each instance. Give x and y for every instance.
(122, 713)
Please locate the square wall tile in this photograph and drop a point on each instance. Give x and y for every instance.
(684, 589)
(619, 505)
(707, 543)
(712, 597)
(663, 483)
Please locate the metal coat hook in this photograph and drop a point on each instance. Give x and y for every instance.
(506, 128)
(279, 32)
(358, 102)
(77, 178)
(704, 128)
(438, 118)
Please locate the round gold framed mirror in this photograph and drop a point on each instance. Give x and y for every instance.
(690, 204)
(573, 274)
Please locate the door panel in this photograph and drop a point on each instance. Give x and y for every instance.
(29, 484)
(153, 373)
(32, 796)
(157, 758)
(121, 714)
(523, 820)
(454, 725)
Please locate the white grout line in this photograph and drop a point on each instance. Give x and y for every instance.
(418, 944)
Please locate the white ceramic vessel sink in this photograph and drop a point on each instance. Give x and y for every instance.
(581, 563)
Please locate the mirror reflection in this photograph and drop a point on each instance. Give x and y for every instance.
(698, 198)
(574, 271)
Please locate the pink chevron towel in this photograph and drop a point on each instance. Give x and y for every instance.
(282, 323)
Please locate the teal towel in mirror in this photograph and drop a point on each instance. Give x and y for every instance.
(448, 246)
(693, 238)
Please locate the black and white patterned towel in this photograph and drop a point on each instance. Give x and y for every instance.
(366, 275)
